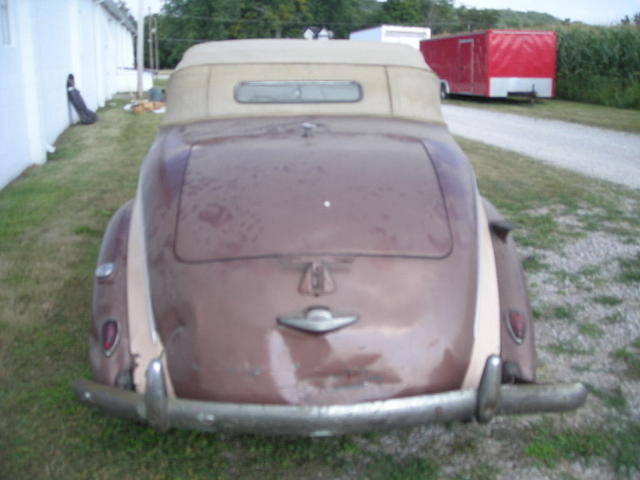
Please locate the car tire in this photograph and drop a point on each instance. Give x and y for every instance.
(443, 91)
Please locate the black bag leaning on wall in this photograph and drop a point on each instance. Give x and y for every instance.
(87, 116)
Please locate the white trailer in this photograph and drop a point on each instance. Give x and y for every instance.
(392, 34)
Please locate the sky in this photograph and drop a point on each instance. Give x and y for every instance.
(154, 5)
(597, 12)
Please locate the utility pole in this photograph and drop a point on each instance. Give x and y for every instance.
(140, 47)
(155, 37)
(149, 37)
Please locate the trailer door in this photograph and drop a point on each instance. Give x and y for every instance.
(465, 65)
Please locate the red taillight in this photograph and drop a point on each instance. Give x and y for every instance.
(109, 336)
(517, 326)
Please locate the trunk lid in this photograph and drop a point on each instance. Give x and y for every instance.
(327, 194)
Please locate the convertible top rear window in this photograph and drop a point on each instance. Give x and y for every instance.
(298, 91)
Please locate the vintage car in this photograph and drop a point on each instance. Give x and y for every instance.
(308, 254)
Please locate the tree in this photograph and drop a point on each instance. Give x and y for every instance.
(477, 19)
(344, 16)
(183, 23)
(440, 16)
(271, 19)
(402, 12)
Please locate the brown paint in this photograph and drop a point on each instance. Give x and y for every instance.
(216, 313)
(217, 316)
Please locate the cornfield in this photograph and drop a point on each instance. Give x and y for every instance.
(599, 65)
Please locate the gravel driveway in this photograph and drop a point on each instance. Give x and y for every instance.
(606, 154)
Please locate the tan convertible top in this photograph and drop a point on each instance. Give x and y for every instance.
(395, 80)
(301, 51)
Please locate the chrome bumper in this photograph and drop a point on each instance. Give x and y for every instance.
(491, 398)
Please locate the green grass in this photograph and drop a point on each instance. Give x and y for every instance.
(590, 330)
(566, 348)
(617, 445)
(534, 196)
(532, 264)
(630, 269)
(612, 398)
(482, 471)
(548, 445)
(558, 312)
(388, 467)
(608, 300)
(630, 357)
(563, 312)
(616, 317)
(51, 220)
(160, 82)
(554, 109)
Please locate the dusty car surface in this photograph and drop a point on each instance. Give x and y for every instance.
(308, 254)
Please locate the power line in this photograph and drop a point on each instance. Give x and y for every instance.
(257, 20)
(304, 23)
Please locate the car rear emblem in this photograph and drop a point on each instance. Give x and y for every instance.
(316, 280)
(317, 320)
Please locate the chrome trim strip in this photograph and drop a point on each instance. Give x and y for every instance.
(309, 420)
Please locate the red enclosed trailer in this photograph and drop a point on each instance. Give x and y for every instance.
(494, 63)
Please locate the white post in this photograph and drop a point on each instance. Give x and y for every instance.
(140, 46)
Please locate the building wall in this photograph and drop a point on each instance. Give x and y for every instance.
(13, 93)
(48, 39)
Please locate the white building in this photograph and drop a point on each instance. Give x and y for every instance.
(317, 33)
(393, 34)
(41, 43)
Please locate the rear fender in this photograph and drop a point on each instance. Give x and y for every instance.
(519, 359)
(110, 302)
